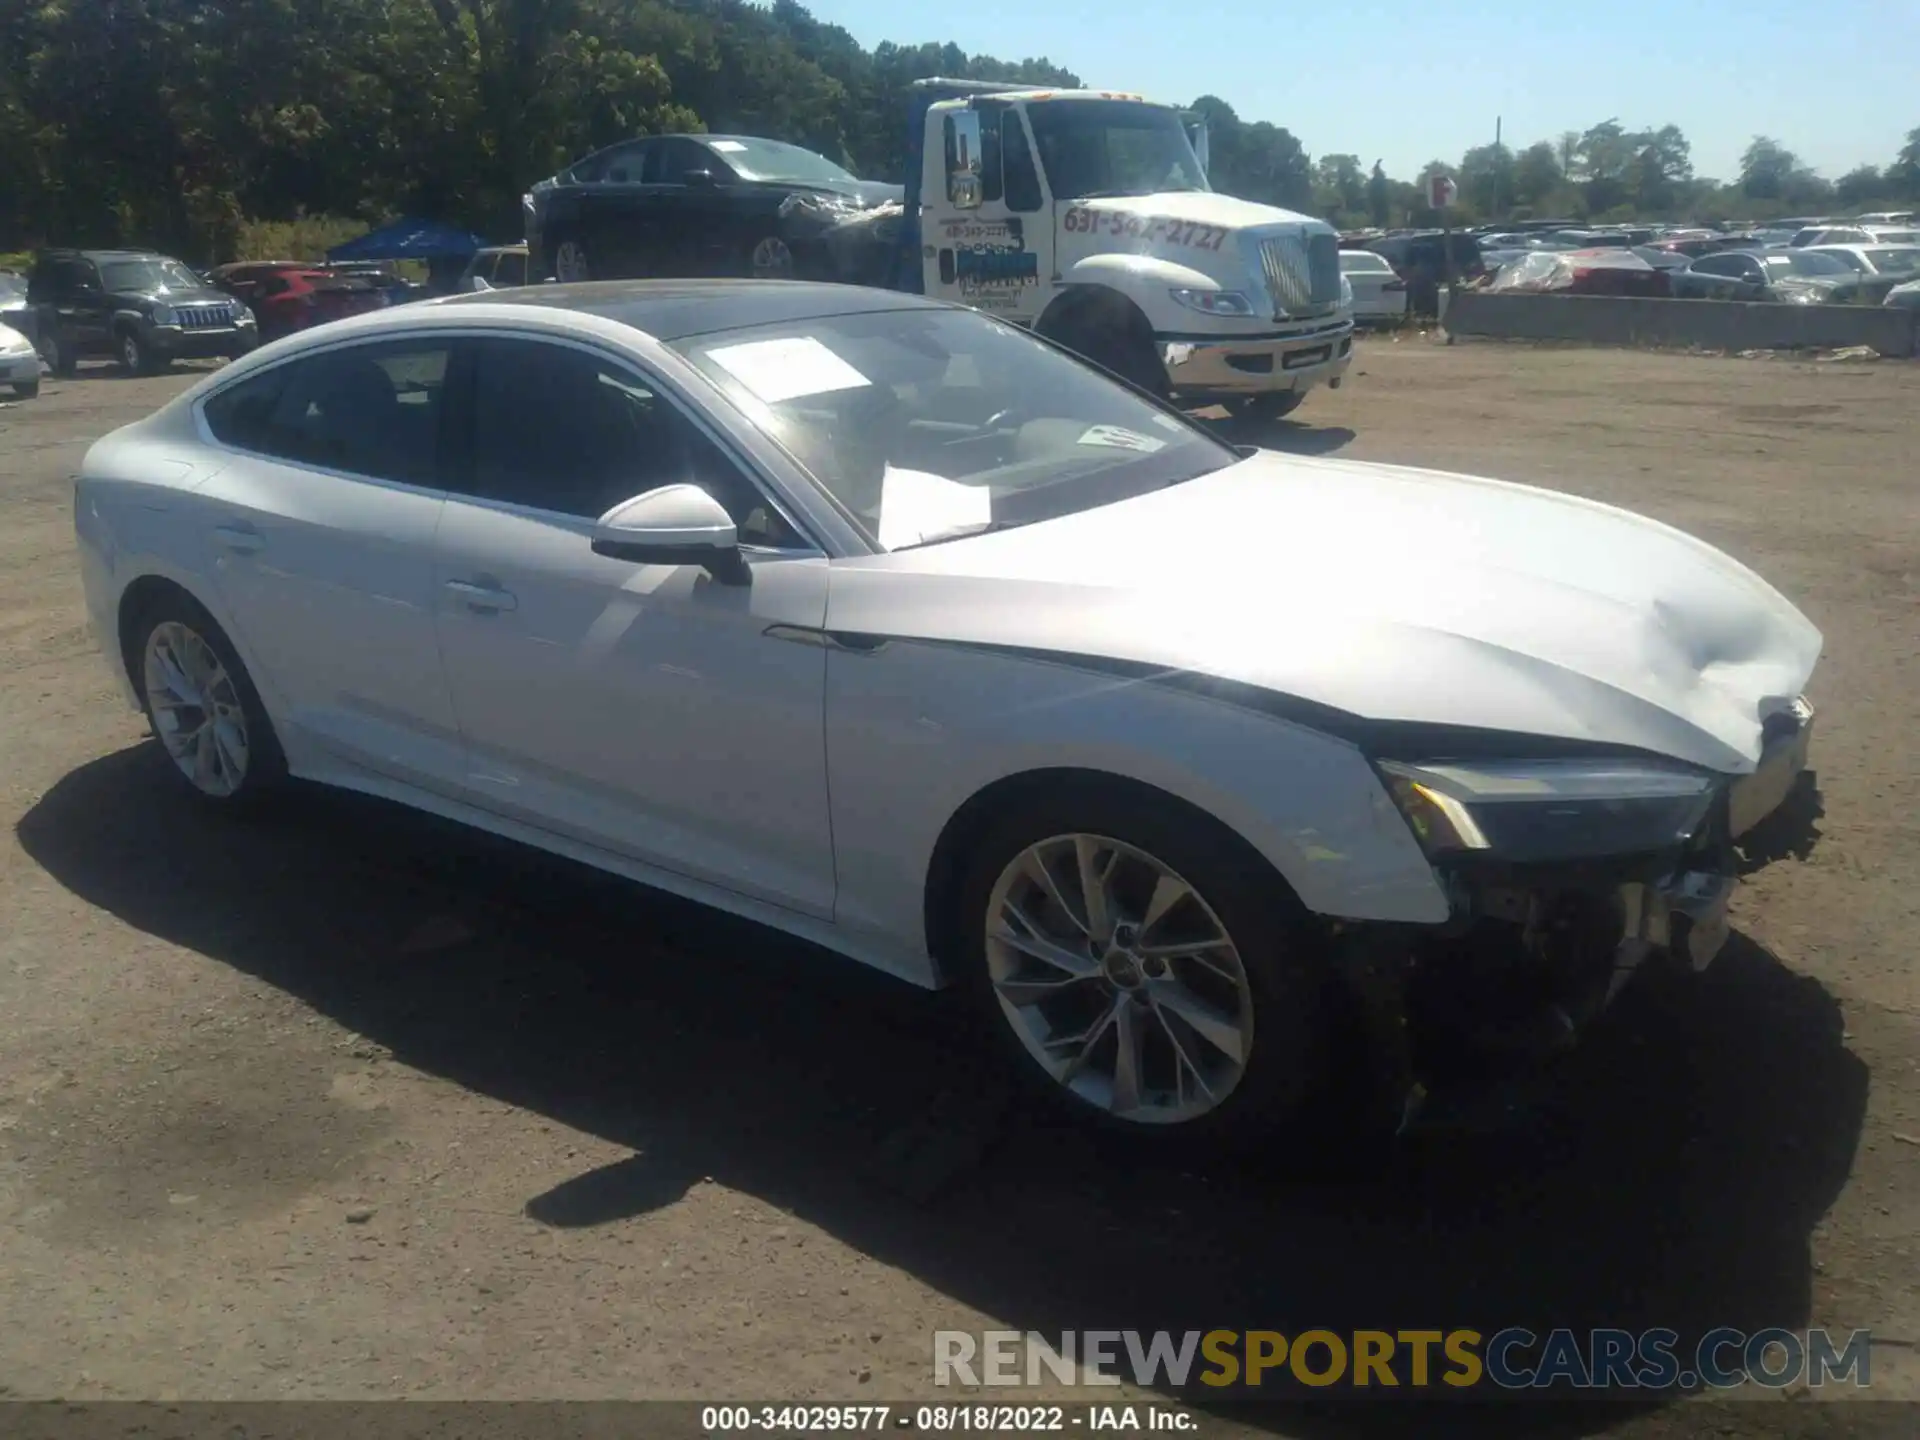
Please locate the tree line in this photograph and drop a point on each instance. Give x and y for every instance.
(175, 122)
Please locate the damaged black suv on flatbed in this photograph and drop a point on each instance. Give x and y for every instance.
(135, 306)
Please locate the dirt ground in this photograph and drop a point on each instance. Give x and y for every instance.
(344, 1104)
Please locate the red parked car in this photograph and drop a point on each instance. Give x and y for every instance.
(286, 296)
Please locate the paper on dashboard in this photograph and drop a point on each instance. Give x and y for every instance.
(916, 506)
(776, 370)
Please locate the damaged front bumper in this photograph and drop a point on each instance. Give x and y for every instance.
(1533, 954)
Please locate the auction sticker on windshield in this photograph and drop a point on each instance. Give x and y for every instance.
(776, 370)
(1114, 437)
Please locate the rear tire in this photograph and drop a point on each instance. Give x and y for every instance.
(202, 706)
(1255, 1067)
(26, 389)
(570, 263)
(771, 258)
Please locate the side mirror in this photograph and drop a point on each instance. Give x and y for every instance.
(700, 179)
(480, 282)
(674, 525)
(963, 160)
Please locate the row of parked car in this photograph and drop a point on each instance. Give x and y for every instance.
(1874, 259)
(146, 310)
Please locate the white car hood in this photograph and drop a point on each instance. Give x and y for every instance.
(1201, 207)
(1389, 593)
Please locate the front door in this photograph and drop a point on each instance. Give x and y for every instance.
(320, 531)
(997, 256)
(618, 225)
(643, 709)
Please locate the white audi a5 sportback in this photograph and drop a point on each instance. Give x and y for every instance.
(1208, 771)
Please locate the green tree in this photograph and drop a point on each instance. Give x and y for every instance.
(1258, 161)
(1339, 186)
(1486, 180)
(1903, 175)
(1767, 168)
(1379, 197)
(1859, 185)
(1536, 174)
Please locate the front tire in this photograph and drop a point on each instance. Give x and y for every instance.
(1147, 971)
(202, 706)
(26, 389)
(136, 356)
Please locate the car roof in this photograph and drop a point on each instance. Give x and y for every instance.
(111, 254)
(674, 309)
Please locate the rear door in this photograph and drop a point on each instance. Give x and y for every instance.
(320, 533)
(70, 287)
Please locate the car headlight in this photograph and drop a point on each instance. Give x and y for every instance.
(242, 314)
(1532, 811)
(12, 342)
(1346, 293)
(1215, 302)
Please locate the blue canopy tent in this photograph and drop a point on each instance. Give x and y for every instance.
(410, 240)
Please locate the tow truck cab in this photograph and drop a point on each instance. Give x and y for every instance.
(1087, 216)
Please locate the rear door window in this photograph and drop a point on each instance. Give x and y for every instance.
(372, 410)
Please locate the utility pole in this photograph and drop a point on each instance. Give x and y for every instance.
(1499, 213)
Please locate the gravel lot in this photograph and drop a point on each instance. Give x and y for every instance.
(344, 1104)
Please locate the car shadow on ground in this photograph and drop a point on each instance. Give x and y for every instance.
(1672, 1177)
(1289, 436)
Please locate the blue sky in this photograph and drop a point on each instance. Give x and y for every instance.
(1406, 82)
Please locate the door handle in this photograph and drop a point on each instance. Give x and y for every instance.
(485, 598)
(241, 539)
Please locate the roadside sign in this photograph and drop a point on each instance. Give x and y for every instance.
(1440, 191)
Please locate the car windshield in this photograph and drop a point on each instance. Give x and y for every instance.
(1850, 259)
(147, 275)
(1363, 262)
(931, 424)
(1095, 148)
(1799, 262)
(1896, 262)
(772, 160)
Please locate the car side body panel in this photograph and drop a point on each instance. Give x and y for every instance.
(915, 730)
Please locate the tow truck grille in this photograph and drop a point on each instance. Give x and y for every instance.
(1302, 273)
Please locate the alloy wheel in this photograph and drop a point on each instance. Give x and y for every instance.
(570, 262)
(1119, 979)
(197, 711)
(772, 259)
